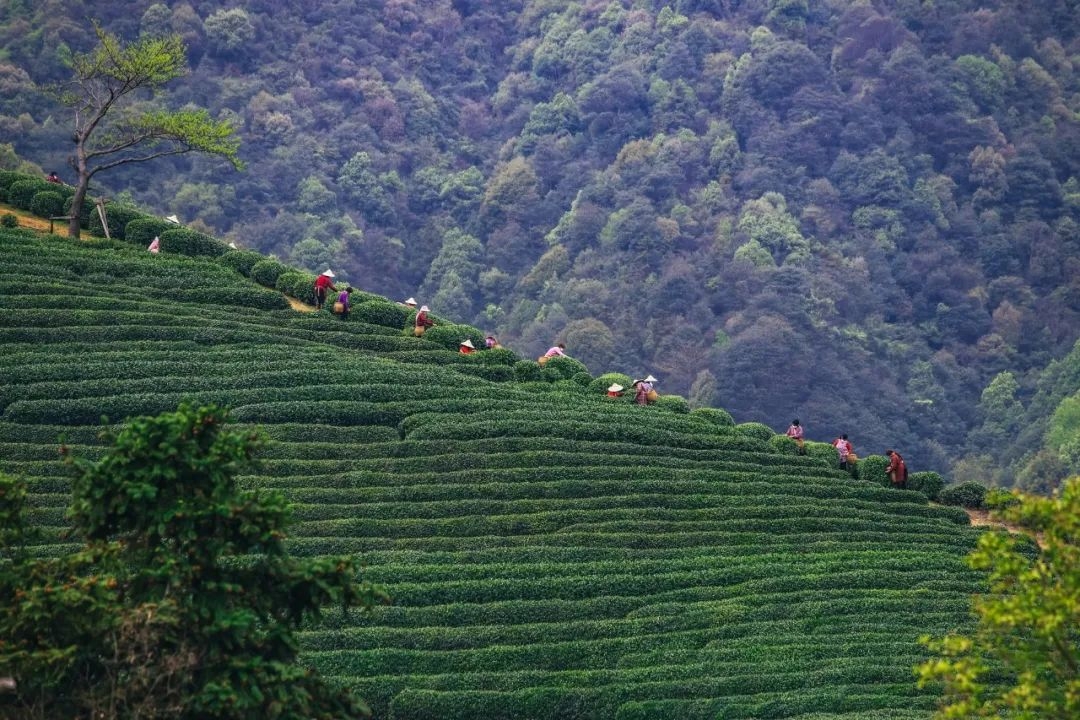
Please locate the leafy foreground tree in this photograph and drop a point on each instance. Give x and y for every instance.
(182, 603)
(112, 130)
(1029, 622)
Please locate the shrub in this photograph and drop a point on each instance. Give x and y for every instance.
(872, 469)
(118, 216)
(822, 451)
(581, 378)
(382, 313)
(8, 220)
(784, 444)
(266, 271)
(761, 431)
(450, 336)
(242, 261)
(304, 288)
(606, 380)
(929, 483)
(674, 403)
(498, 356)
(717, 416)
(967, 494)
(528, 371)
(8, 178)
(563, 368)
(494, 373)
(299, 285)
(240, 297)
(21, 193)
(47, 203)
(193, 243)
(141, 231)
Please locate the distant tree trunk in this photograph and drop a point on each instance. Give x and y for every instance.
(82, 185)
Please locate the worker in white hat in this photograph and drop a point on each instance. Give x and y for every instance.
(644, 393)
(466, 347)
(410, 303)
(615, 390)
(423, 322)
(650, 391)
(324, 282)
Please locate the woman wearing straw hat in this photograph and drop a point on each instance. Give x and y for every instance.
(644, 393)
(466, 347)
(615, 390)
(322, 283)
(423, 322)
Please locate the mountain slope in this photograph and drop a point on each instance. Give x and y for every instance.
(551, 553)
(875, 201)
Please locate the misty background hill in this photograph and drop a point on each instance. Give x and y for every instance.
(861, 214)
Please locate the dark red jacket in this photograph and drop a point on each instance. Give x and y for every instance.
(897, 463)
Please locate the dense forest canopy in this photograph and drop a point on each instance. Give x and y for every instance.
(864, 214)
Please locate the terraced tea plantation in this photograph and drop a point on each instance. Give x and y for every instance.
(551, 553)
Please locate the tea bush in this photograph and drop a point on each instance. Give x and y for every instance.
(757, 430)
(450, 336)
(784, 444)
(380, 312)
(929, 483)
(297, 284)
(192, 243)
(872, 469)
(142, 231)
(602, 382)
(968, 494)
(241, 261)
(7, 179)
(266, 272)
(21, 192)
(528, 371)
(822, 451)
(118, 217)
(498, 356)
(47, 203)
(674, 403)
(9, 220)
(562, 368)
(717, 416)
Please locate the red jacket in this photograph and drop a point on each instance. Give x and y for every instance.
(897, 463)
(422, 320)
(323, 281)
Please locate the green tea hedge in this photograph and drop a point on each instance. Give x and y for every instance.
(966, 494)
(118, 217)
(142, 230)
(47, 203)
(192, 243)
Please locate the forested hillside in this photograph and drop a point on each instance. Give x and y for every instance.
(864, 214)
